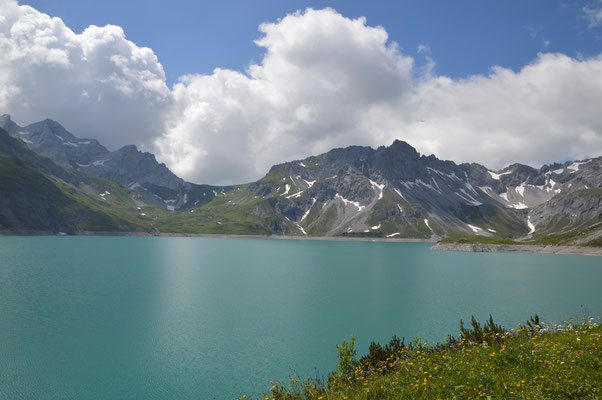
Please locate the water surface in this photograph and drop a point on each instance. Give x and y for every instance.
(183, 318)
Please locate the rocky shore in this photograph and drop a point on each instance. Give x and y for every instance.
(507, 248)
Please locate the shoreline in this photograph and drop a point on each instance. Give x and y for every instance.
(462, 247)
(518, 248)
(222, 236)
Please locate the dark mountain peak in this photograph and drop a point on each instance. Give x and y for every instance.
(401, 147)
(128, 149)
(8, 124)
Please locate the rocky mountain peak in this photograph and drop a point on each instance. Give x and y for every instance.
(7, 123)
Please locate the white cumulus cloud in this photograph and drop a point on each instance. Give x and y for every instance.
(96, 83)
(324, 81)
(545, 112)
(328, 81)
(321, 77)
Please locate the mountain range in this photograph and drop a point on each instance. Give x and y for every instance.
(389, 192)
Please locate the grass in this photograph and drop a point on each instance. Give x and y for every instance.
(535, 361)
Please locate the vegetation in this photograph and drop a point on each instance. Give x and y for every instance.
(535, 361)
(577, 236)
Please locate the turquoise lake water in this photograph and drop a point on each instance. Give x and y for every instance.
(197, 318)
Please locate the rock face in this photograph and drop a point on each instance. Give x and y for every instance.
(396, 192)
(127, 166)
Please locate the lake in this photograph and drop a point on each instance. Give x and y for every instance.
(182, 318)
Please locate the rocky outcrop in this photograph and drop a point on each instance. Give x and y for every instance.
(524, 248)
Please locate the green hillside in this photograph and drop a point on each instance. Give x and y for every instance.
(535, 361)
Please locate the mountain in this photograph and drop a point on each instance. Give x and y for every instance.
(37, 195)
(396, 192)
(127, 166)
(389, 192)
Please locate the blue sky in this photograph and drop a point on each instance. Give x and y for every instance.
(465, 37)
(221, 91)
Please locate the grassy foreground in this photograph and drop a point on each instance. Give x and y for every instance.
(535, 361)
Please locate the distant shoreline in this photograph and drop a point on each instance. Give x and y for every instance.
(463, 247)
(516, 248)
(223, 235)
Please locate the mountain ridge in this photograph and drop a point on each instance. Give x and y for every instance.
(391, 191)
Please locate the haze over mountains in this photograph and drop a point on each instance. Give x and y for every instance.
(356, 191)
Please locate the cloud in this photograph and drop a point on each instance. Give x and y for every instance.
(593, 14)
(321, 77)
(96, 83)
(324, 81)
(545, 112)
(327, 81)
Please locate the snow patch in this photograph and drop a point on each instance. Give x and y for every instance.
(287, 187)
(215, 193)
(399, 207)
(309, 183)
(295, 195)
(27, 141)
(83, 165)
(530, 225)
(474, 228)
(23, 133)
(62, 140)
(468, 198)
(519, 206)
(491, 230)
(558, 171)
(303, 165)
(308, 210)
(70, 144)
(399, 194)
(99, 163)
(301, 228)
(520, 189)
(355, 203)
(419, 181)
(469, 187)
(375, 227)
(379, 187)
(497, 176)
(426, 222)
(393, 234)
(574, 167)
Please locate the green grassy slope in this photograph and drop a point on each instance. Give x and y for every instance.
(31, 200)
(536, 361)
